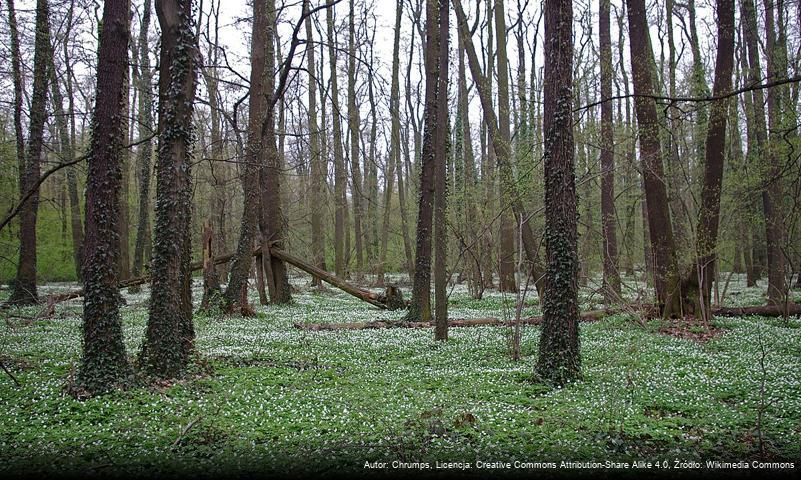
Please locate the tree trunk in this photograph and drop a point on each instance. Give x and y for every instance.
(24, 289)
(145, 149)
(67, 155)
(318, 167)
(272, 218)
(403, 187)
(420, 307)
(19, 87)
(506, 233)
(468, 187)
(104, 364)
(709, 214)
(218, 168)
(666, 274)
(123, 218)
(440, 179)
(394, 145)
(340, 170)
(611, 278)
(773, 197)
(559, 360)
(353, 126)
(211, 281)
(236, 292)
(169, 338)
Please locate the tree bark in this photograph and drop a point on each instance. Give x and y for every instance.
(104, 364)
(318, 167)
(67, 155)
(394, 145)
(236, 292)
(420, 307)
(709, 213)
(773, 197)
(272, 218)
(19, 87)
(211, 281)
(340, 170)
(145, 149)
(353, 126)
(24, 289)
(440, 179)
(666, 274)
(611, 274)
(506, 232)
(169, 337)
(559, 360)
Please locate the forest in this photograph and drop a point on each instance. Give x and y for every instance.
(369, 237)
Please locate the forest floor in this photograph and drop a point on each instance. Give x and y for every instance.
(267, 397)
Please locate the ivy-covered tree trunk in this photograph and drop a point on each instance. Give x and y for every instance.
(559, 360)
(24, 290)
(145, 149)
(169, 337)
(104, 364)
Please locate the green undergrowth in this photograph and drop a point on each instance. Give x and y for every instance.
(267, 397)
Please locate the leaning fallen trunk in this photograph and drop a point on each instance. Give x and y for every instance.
(364, 295)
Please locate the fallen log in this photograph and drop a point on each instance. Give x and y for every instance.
(589, 316)
(364, 295)
(761, 310)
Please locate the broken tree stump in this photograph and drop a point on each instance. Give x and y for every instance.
(392, 298)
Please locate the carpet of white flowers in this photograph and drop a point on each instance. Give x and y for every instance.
(265, 396)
